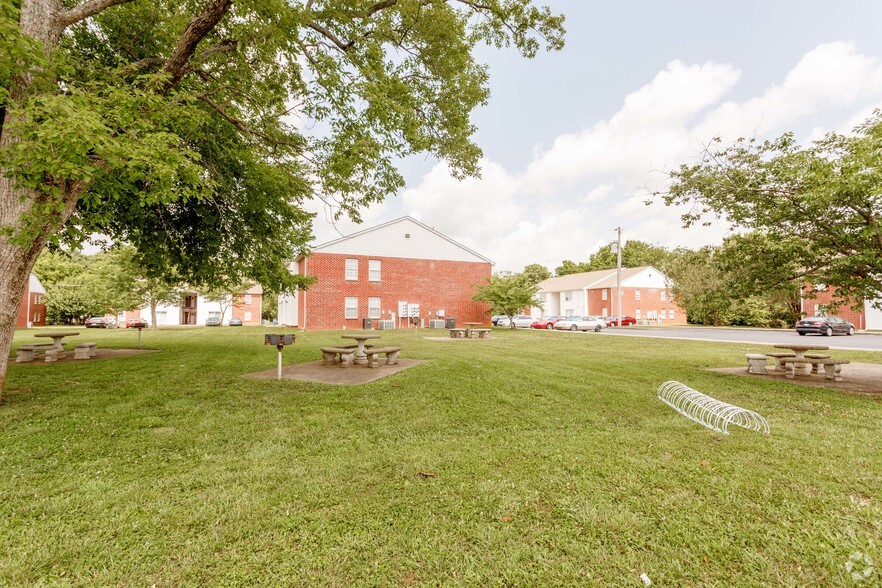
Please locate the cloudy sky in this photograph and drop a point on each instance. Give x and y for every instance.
(573, 139)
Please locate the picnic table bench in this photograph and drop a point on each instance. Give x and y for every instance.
(85, 350)
(832, 367)
(345, 356)
(458, 333)
(31, 352)
(391, 354)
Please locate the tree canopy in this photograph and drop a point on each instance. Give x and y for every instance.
(198, 130)
(508, 294)
(817, 209)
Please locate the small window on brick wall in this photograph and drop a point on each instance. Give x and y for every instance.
(351, 269)
(248, 299)
(603, 294)
(374, 270)
(664, 295)
(374, 308)
(636, 294)
(351, 310)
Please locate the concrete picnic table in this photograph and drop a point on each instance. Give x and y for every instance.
(799, 353)
(58, 338)
(360, 355)
(471, 327)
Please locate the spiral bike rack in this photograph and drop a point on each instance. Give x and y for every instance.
(713, 414)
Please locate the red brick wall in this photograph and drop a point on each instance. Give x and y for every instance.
(826, 297)
(240, 307)
(434, 285)
(650, 301)
(37, 314)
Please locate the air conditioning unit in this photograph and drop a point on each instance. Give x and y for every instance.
(436, 324)
(385, 325)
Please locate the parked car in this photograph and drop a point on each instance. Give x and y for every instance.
(136, 323)
(521, 321)
(613, 321)
(212, 321)
(824, 325)
(100, 322)
(580, 323)
(235, 322)
(495, 319)
(546, 323)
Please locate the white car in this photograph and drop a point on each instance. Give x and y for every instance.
(521, 321)
(580, 323)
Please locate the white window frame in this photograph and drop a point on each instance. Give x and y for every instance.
(247, 318)
(636, 294)
(568, 296)
(671, 314)
(664, 295)
(604, 294)
(248, 299)
(351, 269)
(637, 314)
(374, 308)
(374, 270)
(350, 307)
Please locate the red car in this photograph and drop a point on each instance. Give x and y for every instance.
(136, 324)
(546, 323)
(613, 321)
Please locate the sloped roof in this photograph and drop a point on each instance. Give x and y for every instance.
(403, 219)
(595, 279)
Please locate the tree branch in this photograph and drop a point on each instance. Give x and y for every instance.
(198, 28)
(83, 11)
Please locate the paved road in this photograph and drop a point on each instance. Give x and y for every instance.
(860, 342)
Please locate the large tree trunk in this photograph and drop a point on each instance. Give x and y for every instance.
(153, 324)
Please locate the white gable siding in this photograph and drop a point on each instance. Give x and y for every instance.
(391, 241)
(648, 278)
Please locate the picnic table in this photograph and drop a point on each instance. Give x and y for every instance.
(471, 327)
(799, 352)
(58, 338)
(360, 356)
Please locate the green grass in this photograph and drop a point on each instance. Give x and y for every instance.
(554, 462)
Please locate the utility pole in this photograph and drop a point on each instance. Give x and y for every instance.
(619, 276)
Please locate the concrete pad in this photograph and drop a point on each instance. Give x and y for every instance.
(457, 339)
(859, 378)
(99, 354)
(316, 372)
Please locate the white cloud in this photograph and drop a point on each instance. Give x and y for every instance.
(570, 197)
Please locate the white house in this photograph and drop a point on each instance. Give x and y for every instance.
(195, 309)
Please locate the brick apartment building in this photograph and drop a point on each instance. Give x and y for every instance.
(822, 303)
(373, 273)
(32, 312)
(645, 296)
(194, 309)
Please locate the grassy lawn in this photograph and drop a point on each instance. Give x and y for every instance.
(550, 462)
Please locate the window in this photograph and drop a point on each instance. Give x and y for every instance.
(352, 269)
(374, 308)
(636, 294)
(351, 310)
(568, 296)
(671, 313)
(604, 295)
(604, 313)
(374, 270)
(637, 314)
(248, 299)
(664, 295)
(247, 317)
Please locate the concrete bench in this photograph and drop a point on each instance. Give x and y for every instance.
(832, 367)
(756, 363)
(778, 357)
(458, 333)
(54, 354)
(85, 350)
(345, 356)
(481, 333)
(391, 354)
(31, 352)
